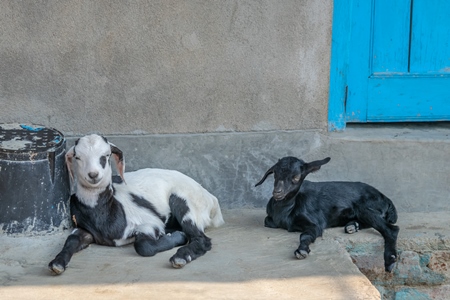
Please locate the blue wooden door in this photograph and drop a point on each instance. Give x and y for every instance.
(390, 61)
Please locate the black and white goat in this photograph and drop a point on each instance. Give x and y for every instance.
(154, 208)
(310, 207)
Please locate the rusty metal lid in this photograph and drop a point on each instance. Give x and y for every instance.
(25, 142)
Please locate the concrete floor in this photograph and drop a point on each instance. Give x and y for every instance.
(247, 261)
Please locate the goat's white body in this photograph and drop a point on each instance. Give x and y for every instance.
(89, 162)
(136, 209)
(156, 186)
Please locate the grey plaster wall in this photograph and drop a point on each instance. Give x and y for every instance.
(409, 165)
(167, 66)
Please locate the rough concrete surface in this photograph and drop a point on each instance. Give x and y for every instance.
(247, 261)
(423, 268)
(409, 164)
(165, 66)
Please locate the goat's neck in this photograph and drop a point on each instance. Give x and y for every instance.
(286, 205)
(91, 196)
(290, 202)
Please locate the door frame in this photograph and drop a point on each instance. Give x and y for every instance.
(339, 65)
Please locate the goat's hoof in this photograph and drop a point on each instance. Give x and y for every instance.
(178, 262)
(389, 267)
(351, 227)
(302, 254)
(56, 269)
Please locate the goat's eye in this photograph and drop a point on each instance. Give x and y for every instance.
(77, 157)
(296, 178)
(104, 160)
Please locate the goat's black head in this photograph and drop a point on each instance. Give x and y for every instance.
(289, 173)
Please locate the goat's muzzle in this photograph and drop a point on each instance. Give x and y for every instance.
(278, 196)
(92, 182)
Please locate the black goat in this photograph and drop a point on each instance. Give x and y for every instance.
(310, 207)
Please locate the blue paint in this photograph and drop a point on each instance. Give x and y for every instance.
(390, 44)
(411, 294)
(408, 99)
(358, 62)
(26, 127)
(424, 260)
(393, 57)
(339, 66)
(430, 48)
(56, 140)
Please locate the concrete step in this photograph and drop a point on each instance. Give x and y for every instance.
(408, 163)
(247, 261)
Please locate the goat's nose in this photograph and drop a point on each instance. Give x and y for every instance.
(277, 190)
(93, 175)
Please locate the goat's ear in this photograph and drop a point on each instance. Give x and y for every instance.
(118, 159)
(270, 171)
(315, 165)
(69, 156)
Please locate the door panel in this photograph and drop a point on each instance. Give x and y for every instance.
(430, 45)
(390, 39)
(399, 61)
(408, 99)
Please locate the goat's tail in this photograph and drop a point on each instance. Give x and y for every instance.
(216, 213)
(391, 212)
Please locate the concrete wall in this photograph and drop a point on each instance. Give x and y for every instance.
(216, 89)
(409, 164)
(168, 66)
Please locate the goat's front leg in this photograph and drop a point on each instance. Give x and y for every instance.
(198, 245)
(76, 241)
(307, 237)
(268, 222)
